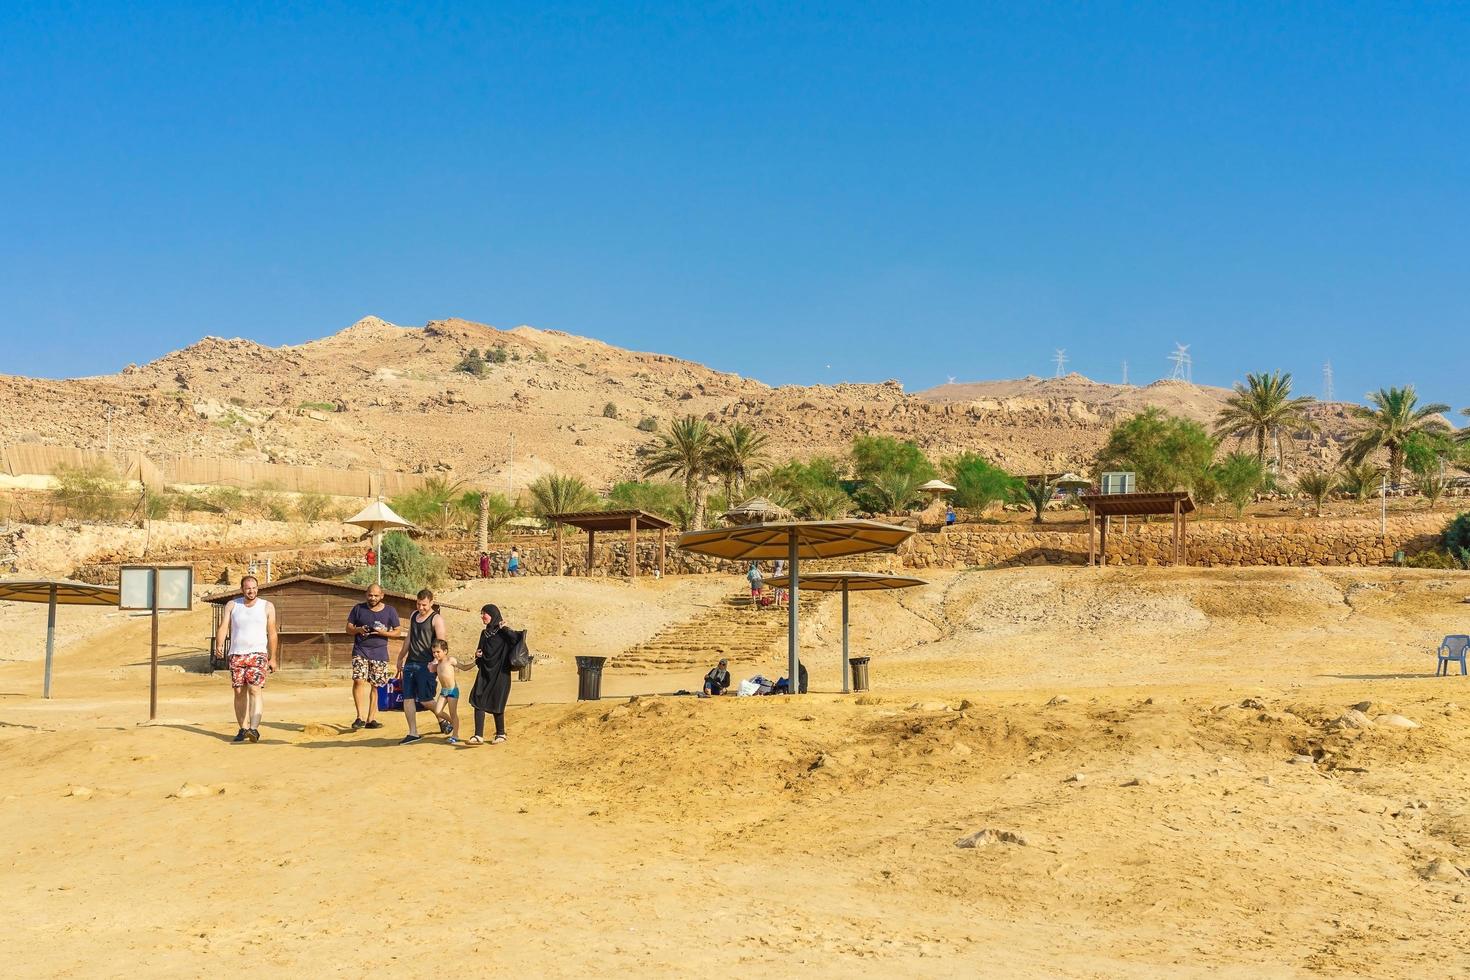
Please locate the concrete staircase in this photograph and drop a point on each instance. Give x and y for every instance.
(747, 636)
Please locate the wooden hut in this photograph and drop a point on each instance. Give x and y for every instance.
(311, 617)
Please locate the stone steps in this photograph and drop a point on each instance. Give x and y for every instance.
(732, 630)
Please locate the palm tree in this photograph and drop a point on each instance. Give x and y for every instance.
(1316, 484)
(1037, 493)
(1361, 479)
(824, 503)
(1262, 407)
(895, 488)
(556, 493)
(735, 454)
(685, 453)
(1392, 418)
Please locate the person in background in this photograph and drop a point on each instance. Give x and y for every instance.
(513, 563)
(492, 685)
(717, 681)
(753, 576)
(372, 624)
(484, 564)
(420, 686)
(949, 515)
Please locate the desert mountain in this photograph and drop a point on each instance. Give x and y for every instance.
(381, 396)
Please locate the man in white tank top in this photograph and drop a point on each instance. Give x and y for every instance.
(250, 624)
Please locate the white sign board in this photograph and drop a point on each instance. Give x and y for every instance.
(1120, 482)
(174, 584)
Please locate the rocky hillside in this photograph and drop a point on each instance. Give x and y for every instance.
(342, 400)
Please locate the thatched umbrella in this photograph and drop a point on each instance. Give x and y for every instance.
(756, 510)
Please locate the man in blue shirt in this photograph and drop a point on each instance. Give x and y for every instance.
(372, 624)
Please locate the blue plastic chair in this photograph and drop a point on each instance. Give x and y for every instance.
(1454, 648)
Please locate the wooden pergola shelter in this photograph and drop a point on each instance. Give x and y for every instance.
(631, 521)
(1175, 504)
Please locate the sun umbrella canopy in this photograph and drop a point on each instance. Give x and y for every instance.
(814, 539)
(856, 581)
(56, 592)
(68, 592)
(936, 486)
(378, 516)
(1068, 480)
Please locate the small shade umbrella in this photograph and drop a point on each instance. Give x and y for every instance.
(935, 487)
(56, 592)
(846, 582)
(1071, 481)
(793, 541)
(376, 518)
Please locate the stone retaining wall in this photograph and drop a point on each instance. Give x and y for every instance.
(1271, 542)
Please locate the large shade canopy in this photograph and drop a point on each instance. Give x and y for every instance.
(846, 582)
(376, 518)
(794, 541)
(56, 592)
(813, 539)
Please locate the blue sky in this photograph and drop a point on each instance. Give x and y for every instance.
(798, 192)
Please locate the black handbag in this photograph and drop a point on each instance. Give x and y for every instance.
(519, 655)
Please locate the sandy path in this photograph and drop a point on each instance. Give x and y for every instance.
(769, 836)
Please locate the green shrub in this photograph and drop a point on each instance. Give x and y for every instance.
(609, 411)
(317, 406)
(648, 424)
(313, 506)
(540, 356)
(156, 505)
(406, 566)
(497, 356)
(661, 497)
(977, 481)
(1166, 452)
(1433, 558)
(1457, 538)
(472, 363)
(90, 492)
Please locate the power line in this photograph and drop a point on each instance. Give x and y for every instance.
(1125, 374)
(1327, 382)
(1061, 360)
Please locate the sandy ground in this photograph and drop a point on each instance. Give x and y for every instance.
(1164, 742)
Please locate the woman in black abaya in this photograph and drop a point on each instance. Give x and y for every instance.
(492, 686)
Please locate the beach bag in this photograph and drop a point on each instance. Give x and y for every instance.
(390, 696)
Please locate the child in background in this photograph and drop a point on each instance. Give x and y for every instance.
(446, 704)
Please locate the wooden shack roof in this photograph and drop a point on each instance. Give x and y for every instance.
(1137, 504)
(344, 587)
(610, 520)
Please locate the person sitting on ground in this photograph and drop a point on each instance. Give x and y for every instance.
(446, 705)
(717, 681)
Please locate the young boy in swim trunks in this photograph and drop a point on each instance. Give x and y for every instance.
(446, 704)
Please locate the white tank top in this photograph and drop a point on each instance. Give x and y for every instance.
(247, 626)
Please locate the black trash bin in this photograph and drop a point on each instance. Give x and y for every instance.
(589, 678)
(859, 673)
(525, 674)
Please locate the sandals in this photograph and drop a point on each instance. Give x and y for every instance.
(498, 740)
(372, 724)
(476, 740)
(410, 739)
(358, 723)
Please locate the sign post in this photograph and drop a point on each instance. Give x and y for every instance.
(155, 588)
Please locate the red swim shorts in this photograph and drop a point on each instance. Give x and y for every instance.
(247, 670)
